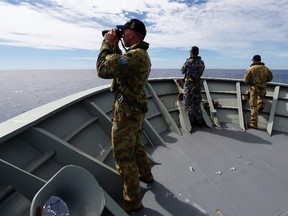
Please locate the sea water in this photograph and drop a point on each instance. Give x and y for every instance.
(23, 90)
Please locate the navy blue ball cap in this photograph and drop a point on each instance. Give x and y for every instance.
(135, 25)
(256, 58)
(194, 50)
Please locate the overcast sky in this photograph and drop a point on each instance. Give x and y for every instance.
(66, 34)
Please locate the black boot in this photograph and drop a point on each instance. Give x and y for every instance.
(201, 123)
(191, 120)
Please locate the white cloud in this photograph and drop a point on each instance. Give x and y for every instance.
(233, 26)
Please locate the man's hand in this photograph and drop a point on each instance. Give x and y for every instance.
(111, 37)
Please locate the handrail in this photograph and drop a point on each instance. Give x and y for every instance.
(213, 112)
(240, 107)
(273, 110)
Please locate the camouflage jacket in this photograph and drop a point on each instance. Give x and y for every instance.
(258, 75)
(193, 69)
(129, 71)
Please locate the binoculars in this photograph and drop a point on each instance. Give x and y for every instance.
(119, 33)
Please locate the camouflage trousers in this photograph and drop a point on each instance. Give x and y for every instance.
(192, 101)
(256, 102)
(130, 155)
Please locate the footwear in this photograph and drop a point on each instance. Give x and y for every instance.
(251, 125)
(128, 206)
(201, 122)
(147, 179)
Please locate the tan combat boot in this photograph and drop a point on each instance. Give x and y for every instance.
(147, 179)
(252, 125)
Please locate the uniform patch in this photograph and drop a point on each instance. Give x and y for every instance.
(122, 60)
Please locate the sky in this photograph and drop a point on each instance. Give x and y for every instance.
(66, 34)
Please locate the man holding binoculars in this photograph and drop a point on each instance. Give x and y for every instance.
(130, 72)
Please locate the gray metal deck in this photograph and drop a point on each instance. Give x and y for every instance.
(216, 171)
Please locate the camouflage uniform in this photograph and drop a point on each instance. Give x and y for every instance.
(257, 75)
(130, 74)
(193, 69)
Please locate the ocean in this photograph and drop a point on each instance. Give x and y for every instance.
(23, 90)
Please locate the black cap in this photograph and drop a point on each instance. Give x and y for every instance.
(135, 25)
(194, 50)
(256, 58)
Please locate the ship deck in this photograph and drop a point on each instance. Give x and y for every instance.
(218, 172)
